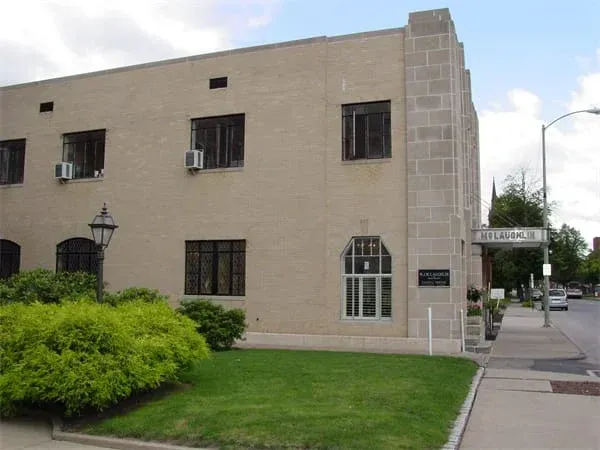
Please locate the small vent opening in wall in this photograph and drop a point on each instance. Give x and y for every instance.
(218, 83)
(46, 106)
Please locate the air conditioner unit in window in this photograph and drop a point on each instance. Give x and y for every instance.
(194, 159)
(63, 171)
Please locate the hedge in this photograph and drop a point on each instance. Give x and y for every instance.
(41, 285)
(79, 355)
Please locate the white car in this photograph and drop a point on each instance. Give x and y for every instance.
(557, 298)
(574, 293)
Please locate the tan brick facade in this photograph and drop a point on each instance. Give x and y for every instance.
(295, 202)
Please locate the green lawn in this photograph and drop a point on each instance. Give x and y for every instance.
(306, 399)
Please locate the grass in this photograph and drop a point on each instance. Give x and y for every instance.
(306, 399)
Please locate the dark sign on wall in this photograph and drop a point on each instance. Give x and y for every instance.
(434, 277)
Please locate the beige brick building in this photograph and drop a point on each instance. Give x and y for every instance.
(334, 170)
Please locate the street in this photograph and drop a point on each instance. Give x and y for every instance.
(582, 325)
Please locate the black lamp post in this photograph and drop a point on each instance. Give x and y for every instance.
(102, 227)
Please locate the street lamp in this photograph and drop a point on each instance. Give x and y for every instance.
(102, 227)
(547, 243)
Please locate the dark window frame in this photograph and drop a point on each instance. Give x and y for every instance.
(12, 161)
(218, 83)
(10, 258)
(212, 253)
(366, 131)
(69, 255)
(86, 142)
(222, 138)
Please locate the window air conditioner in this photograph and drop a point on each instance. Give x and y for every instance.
(194, 159)
(63, 171)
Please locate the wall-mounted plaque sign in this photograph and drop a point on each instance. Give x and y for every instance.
(434, 277)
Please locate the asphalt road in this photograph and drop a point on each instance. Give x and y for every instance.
(582, 325)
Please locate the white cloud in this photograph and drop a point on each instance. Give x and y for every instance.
(511, 139)
(63, 37)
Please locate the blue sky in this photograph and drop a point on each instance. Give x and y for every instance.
(529, 44)
(531, 61)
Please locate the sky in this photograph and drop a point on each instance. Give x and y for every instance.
(531, 62)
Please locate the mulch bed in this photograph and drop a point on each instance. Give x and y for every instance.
(576, 387)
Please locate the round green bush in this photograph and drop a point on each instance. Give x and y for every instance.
(76, 356)
(134, 294)
(221, 327)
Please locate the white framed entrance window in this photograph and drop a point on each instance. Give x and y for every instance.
(366, 280)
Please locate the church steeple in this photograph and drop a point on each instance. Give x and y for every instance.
(494, 198)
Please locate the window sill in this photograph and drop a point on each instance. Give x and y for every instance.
(219, 169)
(366, 320)
(366, 161)
(85, 180)
(11, 186)
(226, 298)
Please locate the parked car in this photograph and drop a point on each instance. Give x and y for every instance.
(557, 298)
(537, 295)
(574, 293)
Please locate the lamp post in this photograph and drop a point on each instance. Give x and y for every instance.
(103, 227)
(545, 192)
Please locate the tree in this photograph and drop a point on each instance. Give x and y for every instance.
(589, 269)
(519, 205)
(568, 252)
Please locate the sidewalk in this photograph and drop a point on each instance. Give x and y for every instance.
(33, 434)
(517, 409)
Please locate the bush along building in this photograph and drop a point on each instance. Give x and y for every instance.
(328, 186)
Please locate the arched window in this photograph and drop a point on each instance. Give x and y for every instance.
(76, 254)
(366, 279)
(10, 258)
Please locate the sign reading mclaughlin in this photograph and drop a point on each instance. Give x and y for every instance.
(508, 235)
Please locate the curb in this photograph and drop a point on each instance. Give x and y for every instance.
(111, 442)
(581, 355)
(460, 424)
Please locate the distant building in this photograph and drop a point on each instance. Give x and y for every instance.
(596, 243)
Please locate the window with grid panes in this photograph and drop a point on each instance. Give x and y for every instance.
(85, 150)
(10, 258)
(221, 139)
(366, 131)
(215, 267)
(366, 279)
(12, 161)
(77, 255)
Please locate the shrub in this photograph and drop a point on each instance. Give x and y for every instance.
(41, 285)
(474, 310)
(221, 327)
(134, 294)
(527, 304)
(76, 356)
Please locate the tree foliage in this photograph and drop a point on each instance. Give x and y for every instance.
(519, 205)
(568, 252)
(590, 268)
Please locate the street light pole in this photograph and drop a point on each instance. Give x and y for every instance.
(545, 194)
(547, 231)
(103, 227)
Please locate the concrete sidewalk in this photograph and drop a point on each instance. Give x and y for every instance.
(32, 434)
(517, 409)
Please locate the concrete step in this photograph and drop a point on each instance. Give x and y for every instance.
(482, 347)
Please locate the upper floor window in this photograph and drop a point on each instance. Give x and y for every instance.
(221, 139)
(366, 131)
(77, 255)
(215, 267)
(366, 279)
(12, 161)
(85, 150)
(10, 258)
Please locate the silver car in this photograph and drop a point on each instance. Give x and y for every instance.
(557, 298)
